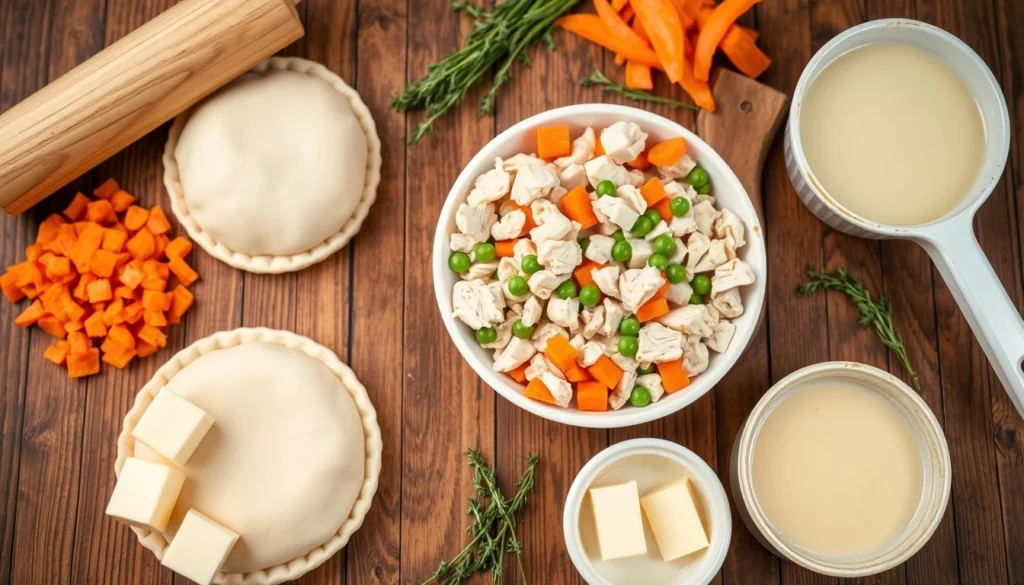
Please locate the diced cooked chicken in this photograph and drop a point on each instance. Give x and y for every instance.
(713, 258)
(589, 354)
(543, 282)
(523, 247)
(559, 389)
(623, 141)
(560, 257)
(489, 187)
(653, 384)
(682, 226)
(730, 275)
(533, 182)
(479, 270)
(607, 279)
(475, 221)
(691, 320)
(730, 225)
(565, 312)
(705, 214)
(509, 226)
(695, 358)
(632, 196)
(551, 224)
(642, 250)
(476, 304)
(696, 246)
(462, 243)
(679, 293)
(532, 312)
(679, 256)
(515, 354)
(577, 342)
(557, 193)
(678, 170)
(636, 177)
(613, 315)
(603, 168)
(702, 198)
(540, 365)
(660, 229)
(620, 394)
(504, 331)
(638, 286)
(616, 211)
(600, 249)
(592, 321)
(677, 189)
(507, 268)
(582, 150)
(626, 364)
(658, 343)
(721, 337)
(728, 303)
(572, 176)
(518, 161)
(545, 332)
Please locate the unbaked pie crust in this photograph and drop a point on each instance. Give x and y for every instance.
(294, 568)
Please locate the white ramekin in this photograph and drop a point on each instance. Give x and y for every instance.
(713, 500)
(729, 193)
(934, 453)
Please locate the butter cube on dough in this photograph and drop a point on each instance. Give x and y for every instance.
(145, 494)
(172, 426)
(674, 519)
(199, 548)
(620, 528)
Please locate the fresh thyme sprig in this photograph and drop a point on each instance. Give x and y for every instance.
(493, 526)
(599, 79)
(500, 38)
(876, 313)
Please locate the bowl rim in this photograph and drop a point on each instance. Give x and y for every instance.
(700, 473)
(755, 255)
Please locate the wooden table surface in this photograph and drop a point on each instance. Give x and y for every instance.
(373, 304)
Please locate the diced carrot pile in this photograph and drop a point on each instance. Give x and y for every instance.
(105, 279)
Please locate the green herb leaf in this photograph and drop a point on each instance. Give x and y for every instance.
(599, 79)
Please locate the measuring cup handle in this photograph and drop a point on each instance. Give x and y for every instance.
(982, 298)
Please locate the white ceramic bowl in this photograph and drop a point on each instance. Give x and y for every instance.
(730, 194)
(651, 463)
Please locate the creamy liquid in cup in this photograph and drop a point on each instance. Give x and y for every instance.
(837, 470)
(892, 133)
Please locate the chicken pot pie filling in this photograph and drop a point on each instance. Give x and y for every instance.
(277, 170)
(601, 277)
(291, 463)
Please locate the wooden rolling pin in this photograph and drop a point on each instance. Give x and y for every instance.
(131, 87)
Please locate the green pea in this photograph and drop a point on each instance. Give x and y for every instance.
(639, 397)
(653, 215)
(590, 295)
(630, 326)
(657, 261)
(643, 371)
(517, 286)
(642, 227)
(665, 245)
(676, 273)
(696, 299)
(701, 284)
(530, 264)
(697, 177)
(605, 189)
(486, 335)
(704, 189)
(679, 206)
(566, 290)
(622, 251)
(584, 244)
(628, 346)
(521, 331)
(459, 262)
(618, 236)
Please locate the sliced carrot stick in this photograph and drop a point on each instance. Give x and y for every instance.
(619, 4)
(638, 28)
(661, 21)
(617, 26)
(667, 152)
(591, 28)
(626, 13)
(638, 76)
(711, 33)
(699, 90)
(741, 49)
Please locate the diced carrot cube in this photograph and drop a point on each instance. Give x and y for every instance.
(10, 288)
(159, 245)
(101, 212)
(88, 243)
(135, 218)
(100, 291)
(103, 263)
(141, 245)
(53, 326)
(83, 365)
(653, 191)
(538, 391)
(72, 326)
(133, 313)
(560, 352)
(592, 396)
(575, 373)
(34, 252)
(152, 335)
(58, 267)
(182, 299)
(553, 142)
(178, 248)
(107, 189)
(121, 201)
(57, 353)
(48, 229)
(79, 342)
(94, 326)
(76, 210)
(157, 223)
(114, 240)
(123, 292)
(584, 273)
(652, 309)
(664, 209)
(145, 349)
(119, 360)
(155, 318)
(519, 374)
(183, 271)
(131, 276)
(605, 371)
(31, 315)
(673, 376)
(113, 314)
(505, 248)
(640, 162)
(156, 301)
(154, 283)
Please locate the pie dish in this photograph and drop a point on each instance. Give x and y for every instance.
(291, 463)
(275, 171)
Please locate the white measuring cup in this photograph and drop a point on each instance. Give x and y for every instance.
(950, 240)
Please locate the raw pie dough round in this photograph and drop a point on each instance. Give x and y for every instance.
(277, 170)
(291, 462)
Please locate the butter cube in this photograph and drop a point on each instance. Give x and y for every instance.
(620, 528)
(172, 426)
(145, 494)
(674, 519)
(199, 549)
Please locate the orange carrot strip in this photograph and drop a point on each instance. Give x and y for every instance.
(713, 31)
(638, 76)
(576, 206)
(620, 4)
(553, 142)
(626, 13)
(741, 49)
(592, 396)
(613, 21)
(653, 191)
(538, 391)
(606, 372)
(652, 309)
(584, 273)
(594, 30)
(667, 152)
(662, 23)
(673, 376)
(560, 352)
(504, 248)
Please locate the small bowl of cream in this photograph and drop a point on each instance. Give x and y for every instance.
(647, 511)
(842, 469)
